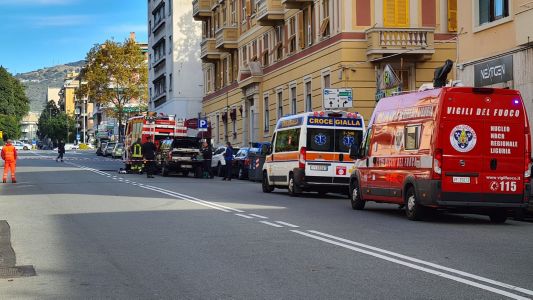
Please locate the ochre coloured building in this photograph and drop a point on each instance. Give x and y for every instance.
(263, 59)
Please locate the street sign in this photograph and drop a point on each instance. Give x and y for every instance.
(202, 125)
(337, 98)
(78, 136)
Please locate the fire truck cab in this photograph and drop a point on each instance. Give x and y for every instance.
(456, 148)
(309, 152)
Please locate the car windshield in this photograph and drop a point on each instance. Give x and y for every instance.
(242, 152)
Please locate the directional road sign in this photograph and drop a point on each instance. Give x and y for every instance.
(337, 98)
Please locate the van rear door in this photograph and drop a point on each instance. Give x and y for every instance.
(485, 145)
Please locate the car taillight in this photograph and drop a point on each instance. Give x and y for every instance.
(437, 164)
(301, 161)
(246, 162)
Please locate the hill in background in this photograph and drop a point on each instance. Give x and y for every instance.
(37, 82)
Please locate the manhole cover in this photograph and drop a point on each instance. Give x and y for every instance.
(20, 271)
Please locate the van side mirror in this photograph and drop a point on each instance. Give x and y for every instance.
(354, 151)
(266, 149)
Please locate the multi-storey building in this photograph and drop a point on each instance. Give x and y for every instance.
(175, 77)
(495, 47)
(67, 93)
(263, 59)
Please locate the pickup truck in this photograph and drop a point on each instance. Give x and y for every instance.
(181, 155)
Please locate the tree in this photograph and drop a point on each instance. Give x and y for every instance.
(14, 104)
(116, 74)
(55, 124)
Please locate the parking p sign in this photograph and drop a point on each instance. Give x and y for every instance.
(202, 124)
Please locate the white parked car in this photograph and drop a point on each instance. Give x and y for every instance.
(218, 162)
(21, 146)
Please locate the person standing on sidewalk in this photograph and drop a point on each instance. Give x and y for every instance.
(148, 151)
(60, 150)
(207, 155)
(228, 157)
(9, 155)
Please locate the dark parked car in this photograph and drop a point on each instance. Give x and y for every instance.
(101, 148)
(241, 162)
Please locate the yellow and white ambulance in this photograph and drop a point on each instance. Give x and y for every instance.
(310, 152)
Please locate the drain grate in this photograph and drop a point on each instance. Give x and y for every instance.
(19, 271)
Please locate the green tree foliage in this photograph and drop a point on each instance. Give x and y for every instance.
(55, 124)
(116, 75)
(14, 104)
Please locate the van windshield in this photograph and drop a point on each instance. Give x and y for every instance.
(331, 140)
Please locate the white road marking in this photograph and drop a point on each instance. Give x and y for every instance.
(287, 224)
(433, 265)
(244, 216)
(271, 224)
(413, 266)
(259, 216)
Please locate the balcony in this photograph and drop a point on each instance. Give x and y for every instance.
(295, 4)
(270, 12)
(208, 50)
(201, 9)
(383, 42)
(226, 37)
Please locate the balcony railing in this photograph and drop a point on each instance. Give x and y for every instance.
(269, 12)
(386, 41)
(201, 9)
(226, 37)
(290, 4)
(208, 51)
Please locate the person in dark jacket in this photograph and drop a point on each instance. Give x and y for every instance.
(207, 155)
(228, 157)
(148, 150)
(60, 150)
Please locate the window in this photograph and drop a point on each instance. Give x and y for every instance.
(244, 56)
(412, 137)
(159, 15)
(170, 45)
(278, 43)
(308, 97)
(253, 51)
(326, 81)
(396, 13)
(492, 10)
(280, 104)
(324, 23)
(452, 15)
(233, 10)
(292, 35)
(169, 8)
(234, 128)
(218, 130)
(266, 116)
(265, 50)
(308, 25)
(159, 51)
(287, 140)
(170, 82)
(293, 100)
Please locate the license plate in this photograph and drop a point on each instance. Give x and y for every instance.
(186, 167)
(319, 167)
(461, 179)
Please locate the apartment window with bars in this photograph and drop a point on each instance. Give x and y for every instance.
(293, 100)
(308, 97)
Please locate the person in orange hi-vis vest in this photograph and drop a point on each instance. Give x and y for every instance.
(9, 155)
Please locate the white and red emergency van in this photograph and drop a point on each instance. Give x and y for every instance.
(310, 152)
(460, 148)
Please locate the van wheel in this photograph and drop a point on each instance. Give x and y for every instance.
(498, 216)
(413, 209)
(356, 200)
(267, 188)
(293, 192)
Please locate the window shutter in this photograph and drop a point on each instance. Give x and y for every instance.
(301, 38)
(389, 13)
(286, 38)
(452, 15)
(248, 8)
(402, 13)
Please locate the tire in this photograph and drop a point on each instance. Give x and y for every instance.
(355, 196)
(293, 192)
(25, 148)
(498, 216)
(267, 188)
(164, 171)
(413, 210)
(185, 174)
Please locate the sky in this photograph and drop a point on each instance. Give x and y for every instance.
(43, 33)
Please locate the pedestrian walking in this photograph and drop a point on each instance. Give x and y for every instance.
(9, 155)
(207, 155)
(136, 157)
(148, 152)
(60, 150)
(228, 157)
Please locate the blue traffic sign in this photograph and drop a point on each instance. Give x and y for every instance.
(202, 124)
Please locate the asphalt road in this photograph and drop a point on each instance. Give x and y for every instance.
(91, 233)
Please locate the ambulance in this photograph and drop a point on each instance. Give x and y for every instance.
(310, 152)
(462, 149)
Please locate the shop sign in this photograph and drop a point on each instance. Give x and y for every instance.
(493, 71)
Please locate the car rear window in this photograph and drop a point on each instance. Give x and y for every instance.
(331, 140)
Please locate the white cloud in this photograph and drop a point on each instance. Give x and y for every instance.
(59, 21)
(36, 2)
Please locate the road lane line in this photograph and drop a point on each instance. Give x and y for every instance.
(413, 266)
(244, 216)
(433, 265)
(287, 224)
(270, 224)
(259, 216)
(181, 198)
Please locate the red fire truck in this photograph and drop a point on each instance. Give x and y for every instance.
(159, 128)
